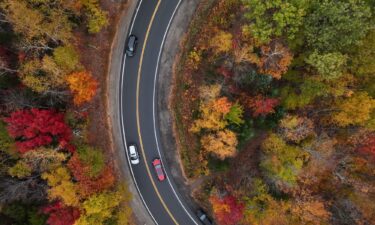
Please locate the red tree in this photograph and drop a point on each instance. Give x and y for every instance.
(368, 146)
(225, 72)
(228, 211)
(61, 215)
(261, 105)
(37, 127)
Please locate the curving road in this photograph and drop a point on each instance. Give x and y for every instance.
(137, 109)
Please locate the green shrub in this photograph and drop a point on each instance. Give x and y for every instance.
(93, 158)
(67, 58)
(21, 214)
(97, 19)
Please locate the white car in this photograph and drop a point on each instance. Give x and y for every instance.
(133, 153)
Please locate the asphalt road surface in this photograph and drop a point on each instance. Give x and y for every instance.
(138, 112)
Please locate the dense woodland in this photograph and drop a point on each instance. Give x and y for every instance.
(49, 172)
(274, 111)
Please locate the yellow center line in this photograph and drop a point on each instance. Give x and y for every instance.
(137, 106)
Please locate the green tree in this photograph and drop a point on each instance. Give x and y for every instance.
(308, 90)
(336, 25)
(67, 58)
(254, 82)
(93, 158)
(6, 142)
(281, 162)
(7, 150)
(329, 65)
(24, 214)
(262, 209)
(363, 63)
(269, 19)
(97, 19)
(235, 114)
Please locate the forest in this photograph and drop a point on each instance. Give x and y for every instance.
(50, 170)
(274, 111)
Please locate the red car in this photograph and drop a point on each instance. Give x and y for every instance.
(159, 169)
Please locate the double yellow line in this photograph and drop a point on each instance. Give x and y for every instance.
(137, 111)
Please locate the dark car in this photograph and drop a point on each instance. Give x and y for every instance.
(158, 169)
(131, 45)
(203, 218)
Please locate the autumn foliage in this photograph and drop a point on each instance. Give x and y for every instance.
(60, 214)
(88, 185)
(262, 106)
(222, 105)
(45, 94)
(368, 146)
(228, 210)
(83, 86)
(297, 145)
(222, 144)
(275, 59)
(38, 127)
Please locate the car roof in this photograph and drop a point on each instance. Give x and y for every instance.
(131, 41)
(132, 149)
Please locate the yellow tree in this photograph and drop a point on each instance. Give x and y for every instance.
(83, 86)
(245, 53)
(222, 144)
(62, 188)
(212, 109)
(44, 159)
(312, 211)
(355, 110)
(37, 27)
(97, 18)
(99, 207)
(42, 75)
(262, 209)
(209, 119)
(221, 42)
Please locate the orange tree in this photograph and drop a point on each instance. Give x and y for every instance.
(83, 86)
